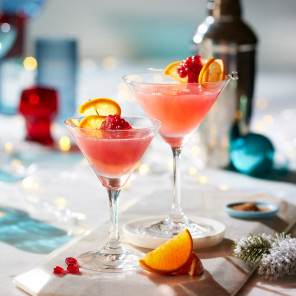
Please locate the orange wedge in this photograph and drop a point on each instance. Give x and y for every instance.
(92, 121)
(100, 106)
(193, 266)
(172, 71)
(170, 256)
(213, 70)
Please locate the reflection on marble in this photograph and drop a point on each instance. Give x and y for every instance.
(25, 233)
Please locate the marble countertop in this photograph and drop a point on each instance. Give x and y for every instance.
(61, 190)
(68, 195)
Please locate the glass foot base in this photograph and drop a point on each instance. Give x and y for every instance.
(168, 229)
(100, 261)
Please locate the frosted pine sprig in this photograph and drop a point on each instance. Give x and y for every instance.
(253, 247)
(276, 255)
(281, 259)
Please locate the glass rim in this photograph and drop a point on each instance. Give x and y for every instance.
(156, 123)
(160, 71)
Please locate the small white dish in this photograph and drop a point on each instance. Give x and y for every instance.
(133, 235)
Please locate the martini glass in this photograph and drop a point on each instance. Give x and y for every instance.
(113, 155)
(180, 107)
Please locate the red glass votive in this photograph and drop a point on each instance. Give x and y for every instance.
(39, 106)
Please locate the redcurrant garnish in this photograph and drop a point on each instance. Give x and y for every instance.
(71, 260)
(73, 268)
(191, 67)
(115, 122)
(59, 270)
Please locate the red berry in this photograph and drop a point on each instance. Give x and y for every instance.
(73, 268)
(59, 270)
(115, 122)
(71, 260)
(191, 67)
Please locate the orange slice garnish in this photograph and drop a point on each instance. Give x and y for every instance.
(213, 70)
(100, 106)
(92, 122)
(172, 71)
(170, 256)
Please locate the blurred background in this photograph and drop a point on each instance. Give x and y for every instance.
(160, 29)
(104, 40)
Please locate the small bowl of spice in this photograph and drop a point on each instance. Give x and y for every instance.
(251, 210)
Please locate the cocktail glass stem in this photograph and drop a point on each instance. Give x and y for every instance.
(113, 255)
(113, 245)
(176, 215)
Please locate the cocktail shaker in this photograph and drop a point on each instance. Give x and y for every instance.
(224, 35)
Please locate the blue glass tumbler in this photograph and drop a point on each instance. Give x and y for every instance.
(57, 68)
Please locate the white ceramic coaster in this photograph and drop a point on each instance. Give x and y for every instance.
(133, 234)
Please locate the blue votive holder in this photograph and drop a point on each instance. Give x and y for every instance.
(57, 68)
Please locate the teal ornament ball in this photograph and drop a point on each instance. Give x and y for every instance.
(252, 154)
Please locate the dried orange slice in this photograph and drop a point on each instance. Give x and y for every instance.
(170, 256)
(205, 68)
(100, 106)
(213, 70)
(172, 71)
(92, 121)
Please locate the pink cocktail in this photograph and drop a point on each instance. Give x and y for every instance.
(180, 107)
(113, 155)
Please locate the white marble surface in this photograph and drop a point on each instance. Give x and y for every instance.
(142, 197)
(73, 189)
